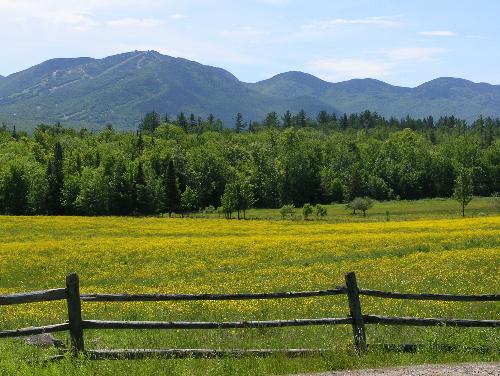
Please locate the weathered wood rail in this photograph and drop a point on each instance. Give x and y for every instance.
(76, 324)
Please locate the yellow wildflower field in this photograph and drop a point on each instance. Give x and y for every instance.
(164, 255)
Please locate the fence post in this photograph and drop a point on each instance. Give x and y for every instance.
(358, 326)
(74, 313)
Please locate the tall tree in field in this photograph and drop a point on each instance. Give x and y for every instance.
(244, 196)
(464, 188)
(55, 179)
(172, 196)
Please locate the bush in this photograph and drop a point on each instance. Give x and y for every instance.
(360, 203)
(209, 210)
(320, 210)
(307, 210)
(287, 211)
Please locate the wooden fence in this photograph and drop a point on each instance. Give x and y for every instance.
(76, 324)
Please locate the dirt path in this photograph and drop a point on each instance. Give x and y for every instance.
(465, 369)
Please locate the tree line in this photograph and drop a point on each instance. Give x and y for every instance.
(186, 164)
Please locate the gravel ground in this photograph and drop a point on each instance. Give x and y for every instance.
(474, 369)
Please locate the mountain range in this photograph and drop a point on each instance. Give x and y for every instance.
(120, 89)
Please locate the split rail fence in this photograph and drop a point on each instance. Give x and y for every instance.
(76, 324)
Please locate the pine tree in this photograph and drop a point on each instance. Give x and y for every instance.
(287, 119)
(192, 121)
(172, 196)
(239, 124)
(150, 122)
(141, 197)
(138, 145)
(323, 117)
(120, 196)
(14, 192)
(272, 120)
(182, 121)
(301, 119)
(55, 179)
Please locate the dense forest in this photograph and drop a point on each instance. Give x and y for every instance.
(188, 163)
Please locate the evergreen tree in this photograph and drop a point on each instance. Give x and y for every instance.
(323, 118)
(239, 124)
(192, 121)
(301, 120)
(14, 192)
(172, 197)
(287, 119)
(121, 195)
(138, 145)
(182, 121)
(272, 120)
(141, 196)
(150, 122)
(55, 179)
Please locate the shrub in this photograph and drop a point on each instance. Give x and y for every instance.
(209, 210)
(287, 211)
(320, 210)
(307, 210)
(360, 203)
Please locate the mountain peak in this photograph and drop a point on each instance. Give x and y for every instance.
(297, 77)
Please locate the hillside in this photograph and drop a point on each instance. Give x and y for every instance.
(119, 89)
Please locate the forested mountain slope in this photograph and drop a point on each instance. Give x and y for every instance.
(120, 89)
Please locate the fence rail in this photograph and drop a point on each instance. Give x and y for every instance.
(76, 324)
(33, 297)
(193, 297)
(441, 297)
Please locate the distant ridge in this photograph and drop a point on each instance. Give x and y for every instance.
(119, 89)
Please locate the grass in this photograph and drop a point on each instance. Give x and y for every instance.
(401, 210)
(428, 248)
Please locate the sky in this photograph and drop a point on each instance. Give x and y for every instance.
(401, 42)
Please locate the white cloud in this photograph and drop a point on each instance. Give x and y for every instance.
(177, 16)
(414, 53)
(473, 36)
(334, 69)
(134, 22)
(387, 21)
(438, 33)
(65, 12)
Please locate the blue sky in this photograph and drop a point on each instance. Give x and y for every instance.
(401, 42)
